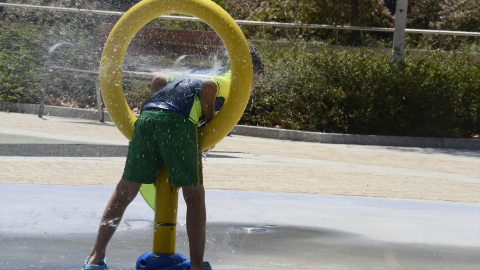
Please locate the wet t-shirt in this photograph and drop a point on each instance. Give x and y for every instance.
(182, 96)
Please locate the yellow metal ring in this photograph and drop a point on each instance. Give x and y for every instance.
(219, 20)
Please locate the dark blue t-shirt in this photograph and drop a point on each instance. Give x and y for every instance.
(182, 96)
(177, 96)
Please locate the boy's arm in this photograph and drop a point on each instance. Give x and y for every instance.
(208, 93)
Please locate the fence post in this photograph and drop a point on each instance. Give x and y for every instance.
(101, 114)
(399, 34)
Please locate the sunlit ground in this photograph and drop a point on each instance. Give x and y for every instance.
(271, 204)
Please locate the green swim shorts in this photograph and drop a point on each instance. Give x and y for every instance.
(162, 136)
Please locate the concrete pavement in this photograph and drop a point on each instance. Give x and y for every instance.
(272, 204)
(39, 150)
(53, 227)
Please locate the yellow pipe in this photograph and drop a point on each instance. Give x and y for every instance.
(166, 204)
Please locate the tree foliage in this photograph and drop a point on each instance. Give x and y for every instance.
(458, 15)
(371, 13)
(453, 15)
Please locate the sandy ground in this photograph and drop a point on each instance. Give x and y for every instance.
(254, 164)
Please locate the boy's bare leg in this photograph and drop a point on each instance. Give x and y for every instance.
(196, 220)
(123, 195)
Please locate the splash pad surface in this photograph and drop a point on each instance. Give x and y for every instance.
(318, 231)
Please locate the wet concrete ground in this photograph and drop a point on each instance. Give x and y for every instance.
(53, 227)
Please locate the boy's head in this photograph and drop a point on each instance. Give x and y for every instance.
(257, 64)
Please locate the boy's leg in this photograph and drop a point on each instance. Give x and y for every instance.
(196, 219)
(123, 195)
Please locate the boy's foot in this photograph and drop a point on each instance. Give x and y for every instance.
(103, 266)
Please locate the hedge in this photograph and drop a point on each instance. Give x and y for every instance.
(359, 91)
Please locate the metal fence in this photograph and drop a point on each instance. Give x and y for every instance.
(258, 23)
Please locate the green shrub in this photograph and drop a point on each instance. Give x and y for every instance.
(25, 41)
(363, 92)
(20, 64)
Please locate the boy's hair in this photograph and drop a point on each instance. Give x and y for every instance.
(256, 60)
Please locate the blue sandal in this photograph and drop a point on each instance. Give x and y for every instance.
(207, 266)
(103, 266)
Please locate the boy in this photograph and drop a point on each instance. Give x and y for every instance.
(167, 131)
